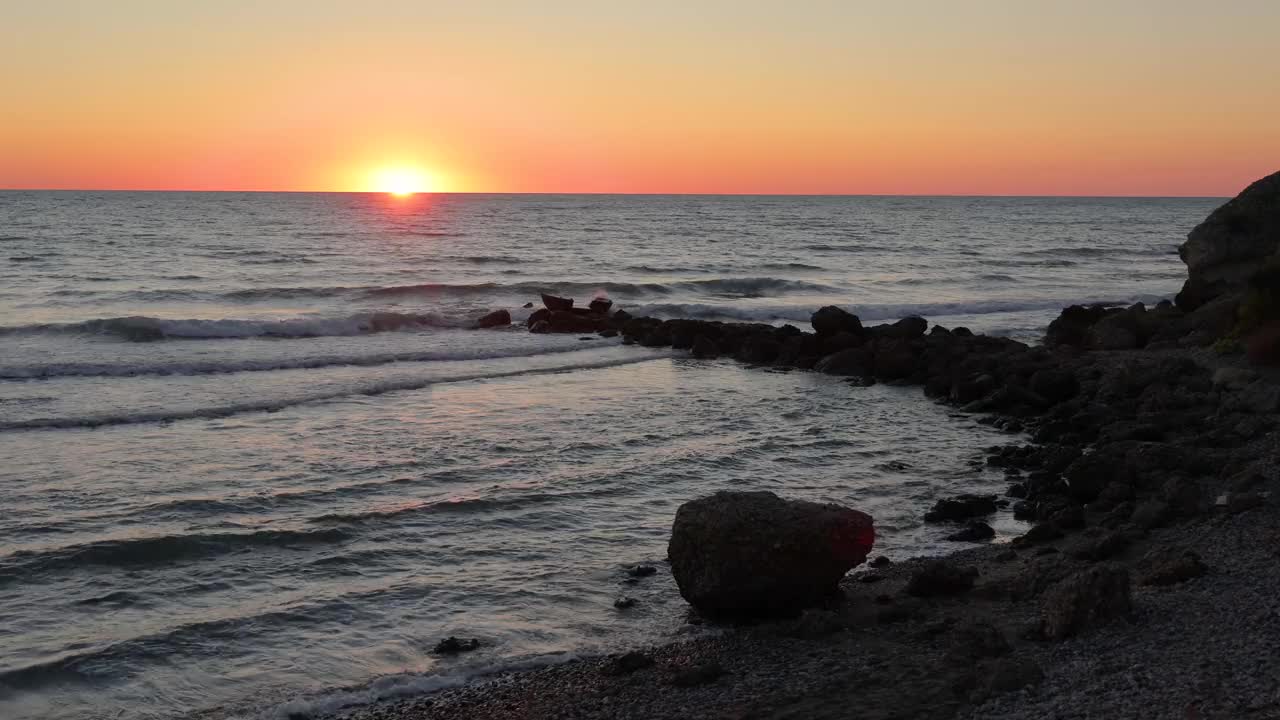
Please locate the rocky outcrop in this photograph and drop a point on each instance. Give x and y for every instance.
(754, 554)
(832, 320)
(1237, 239)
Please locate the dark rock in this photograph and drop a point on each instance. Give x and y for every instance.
(880, 561)
(624, 603)
(1054, 385)
(1044, 532)
(609, 333)
(851, 362)
(907, 328)
(759, 348)
(1183, 496)
(1224, 251)
(697, 675)
(961, 507)
(537, 316)
(704, 348)
(1084, 599)
(541, 327)
(497, 318)
(870, 577)
(452, 646)
(939, 578)
(1068, 517)
(628, 663)
(1238, 502)
(974, 531)
(1119, 330)
(1072, 326)
(1170, 567)
(832, 320)
(621, 317)
(563, 321)
(1263, 346)
(755, 554)
(895, 359)
(527, 305)
(1101, 547)
(600, 305)
(553, 303)
(640, 571)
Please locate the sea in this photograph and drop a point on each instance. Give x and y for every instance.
(254, 463)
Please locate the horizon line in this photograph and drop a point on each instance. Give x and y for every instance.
(627, 194)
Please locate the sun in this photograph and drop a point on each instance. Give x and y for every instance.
(402, 181)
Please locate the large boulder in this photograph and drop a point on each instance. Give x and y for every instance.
(1222, 252)
(754, 554)
(832, 320)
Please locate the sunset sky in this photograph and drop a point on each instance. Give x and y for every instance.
(1090, 97)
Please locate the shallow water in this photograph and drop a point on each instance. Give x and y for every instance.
(253, 465)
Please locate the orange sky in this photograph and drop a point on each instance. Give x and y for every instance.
(981, 97)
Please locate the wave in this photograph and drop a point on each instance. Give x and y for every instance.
(272, 405)
(155, 550)
(142, 328)
(228, 366)
(876, 312)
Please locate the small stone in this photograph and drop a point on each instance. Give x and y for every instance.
(880, 561)
(628, 663)
(1171, 568)
(623, 603)
(697, 675)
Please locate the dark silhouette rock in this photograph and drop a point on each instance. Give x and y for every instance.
(537, 316)
(640, 571)
(628, 663)
(624, 603)
(974, 531)
(704, 348)
(1222, 252)
(848, 363)
(497, 318)
(756, 554)
(527, 305)
(600, 305)
(961, 507)
(1084, 599)
(907, 328)
(554, 304)
(1072, 325)
(832, 320)
(563, 321)
(452, 646)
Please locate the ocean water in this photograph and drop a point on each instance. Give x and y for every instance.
(255, 464)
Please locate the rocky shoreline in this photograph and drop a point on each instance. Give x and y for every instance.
(1146, 458)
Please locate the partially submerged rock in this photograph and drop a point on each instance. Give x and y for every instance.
(497, 318)
(961, 507)
(755, 554)
(453, 645)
